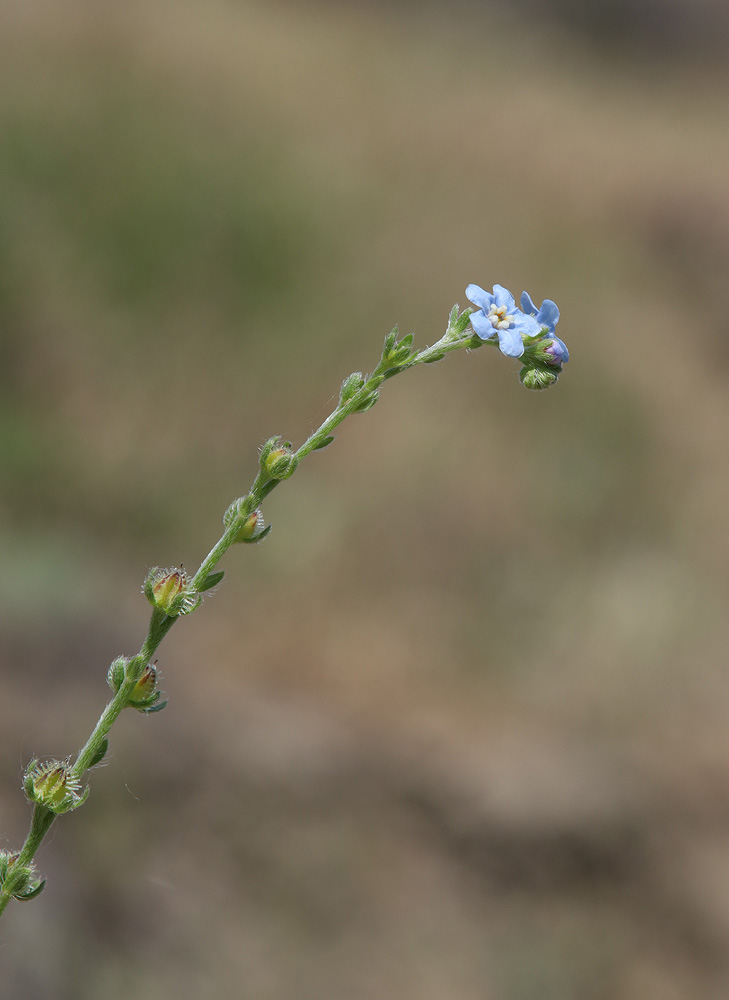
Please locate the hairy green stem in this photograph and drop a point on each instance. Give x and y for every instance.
(161, 623)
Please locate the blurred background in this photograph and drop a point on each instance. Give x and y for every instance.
(459, 730)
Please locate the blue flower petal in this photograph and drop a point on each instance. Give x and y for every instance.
(483, 326)
(548, 315)
(510, 342)
(527, 325)
(561, 350)
(479, 297)
(503, 297)
(527, 304)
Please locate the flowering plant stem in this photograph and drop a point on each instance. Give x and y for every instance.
(55, 787)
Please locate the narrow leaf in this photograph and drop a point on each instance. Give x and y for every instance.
(100, 753)
(31, 893)
(323, 444)
(154, 708)
(212, 580)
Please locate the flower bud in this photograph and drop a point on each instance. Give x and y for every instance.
(537, 378)
(396, 352)
(555, 352)
(117, 673)
(54, 786)
(546, 351)
(145, 686)
(20, 881)
(251, 527)
(399, 352)
(350, 387)
(277, 459)
(168, 590)
(145, 696)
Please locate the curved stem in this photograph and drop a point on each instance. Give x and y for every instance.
(161, 623)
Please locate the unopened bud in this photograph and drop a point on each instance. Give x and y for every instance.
(277, 459)
(54, 786)
(145, 696)
(350, 386)
(168, 590)
(398, 352)
(537, 378)
(117, 672)
(18, 881)
(145, 686)
(251, 527)
(546, 351)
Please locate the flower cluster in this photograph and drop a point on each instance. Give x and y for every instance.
(527, 332)
(55, 786)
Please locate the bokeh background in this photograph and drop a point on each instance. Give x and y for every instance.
(459, 730)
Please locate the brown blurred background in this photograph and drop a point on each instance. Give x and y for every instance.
(460, 729)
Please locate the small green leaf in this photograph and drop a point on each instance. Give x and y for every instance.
(390, 341)
(31, 893)
(367, 403)
(100, 753)
(324, 443)
(436, 357)
(211, 580)
(460, 324)
(154, 708)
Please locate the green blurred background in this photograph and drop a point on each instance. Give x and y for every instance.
(459, 729)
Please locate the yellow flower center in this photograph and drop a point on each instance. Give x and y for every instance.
(500, 319)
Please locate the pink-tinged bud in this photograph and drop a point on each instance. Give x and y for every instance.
(145, 696)
(249, 528)
(253, 528)
(277, 459)
(145, 685)
(168, 590)
(279, 464)
(54, 786)
(16, 880)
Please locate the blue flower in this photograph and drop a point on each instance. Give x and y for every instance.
(498, 315)
(547, 317)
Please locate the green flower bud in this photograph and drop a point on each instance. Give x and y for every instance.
(251, 527)
(145, 686)
(145, 696)
(20, 881)
(537, 378)
(169, 591)
(350, 387)
(54, 786)
(277, 459)
(116, 673)
(396, 352)
(400, 352)
(545, 351)
(368, 402)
